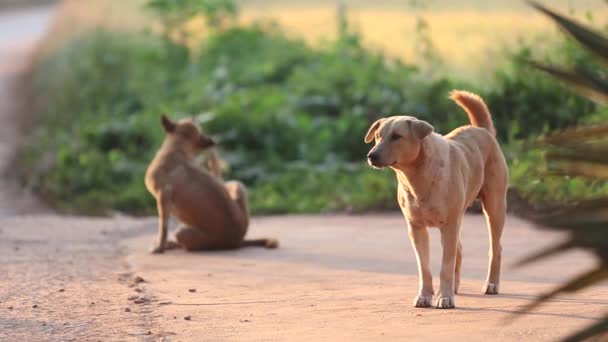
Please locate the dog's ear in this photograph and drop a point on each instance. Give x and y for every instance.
(369, 137)
(168, 125)
(420, 128)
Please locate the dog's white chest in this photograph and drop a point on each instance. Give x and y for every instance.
(421, 211)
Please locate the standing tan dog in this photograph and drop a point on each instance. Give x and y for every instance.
(439, 177)
(215, 214)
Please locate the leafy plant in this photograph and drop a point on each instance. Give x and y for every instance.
(579, 153)
(175, 14)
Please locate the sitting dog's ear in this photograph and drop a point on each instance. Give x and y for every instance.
(420, 128)
(168, 125)
(372, 130)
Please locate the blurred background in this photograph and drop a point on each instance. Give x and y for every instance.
(289, 88)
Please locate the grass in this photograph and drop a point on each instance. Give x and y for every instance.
(470, 38)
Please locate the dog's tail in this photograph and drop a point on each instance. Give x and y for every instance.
(476, 109)
(266, 243)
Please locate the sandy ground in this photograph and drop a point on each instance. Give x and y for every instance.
(334, 277)
(64, 279)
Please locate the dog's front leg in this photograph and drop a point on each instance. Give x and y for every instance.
(419, 236)
(449, 240)
(163, 224)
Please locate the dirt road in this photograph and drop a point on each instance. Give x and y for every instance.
(353, 278)
(334, 277)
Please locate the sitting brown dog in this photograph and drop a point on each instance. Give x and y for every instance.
(439, 177)
(215, 213)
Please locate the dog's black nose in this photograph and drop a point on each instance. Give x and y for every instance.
(372, 157)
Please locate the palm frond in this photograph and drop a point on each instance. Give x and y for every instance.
(576, 135)
(577, 152)
(580, 168)
(545, 253)
(586, 84)
(590, 331)
(586, 279)
(588, 37)
(577, 216)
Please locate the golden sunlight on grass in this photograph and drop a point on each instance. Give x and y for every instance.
(470, 41)
(464, 38)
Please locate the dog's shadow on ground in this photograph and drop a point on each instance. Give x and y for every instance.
(532, 297)
(517, 314)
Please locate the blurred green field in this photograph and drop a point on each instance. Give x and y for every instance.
(470, 35)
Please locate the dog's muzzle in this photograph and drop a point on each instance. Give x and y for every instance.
(373, 158)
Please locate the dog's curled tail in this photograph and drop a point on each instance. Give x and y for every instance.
(476, 109)
(266, 243)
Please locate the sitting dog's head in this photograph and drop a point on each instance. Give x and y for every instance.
(398, 140)
(186, 134)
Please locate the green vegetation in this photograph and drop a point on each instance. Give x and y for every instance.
(289, 117)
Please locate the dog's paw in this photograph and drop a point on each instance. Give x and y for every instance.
(272, 244)
(445, 302)
(170, 244)
(423, 301)
(490, 289)
(157, 250)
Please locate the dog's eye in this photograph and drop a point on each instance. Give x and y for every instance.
(395, 136)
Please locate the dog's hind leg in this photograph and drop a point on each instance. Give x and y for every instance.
(193, 239)
(213, 164)
(494, 208)
(238, 193)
